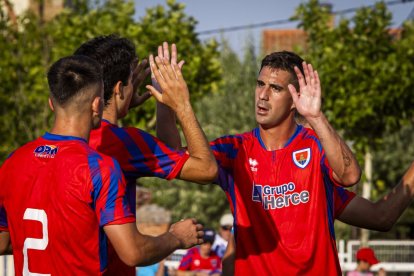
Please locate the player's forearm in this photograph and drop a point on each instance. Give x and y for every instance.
(154, 249)
(384, 213)
(201, 166)
(166, 128)
(340, 157)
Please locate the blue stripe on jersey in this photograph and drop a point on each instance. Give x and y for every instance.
(93, 161)
(166, 163)
(342, 193)
(297, 131)
(3, 217)
(56, 137)
(141, 168)
(226, 182)
(308, 136)
(329, 186)
(227, 148)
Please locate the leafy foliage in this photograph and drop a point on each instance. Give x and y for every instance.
(365, 68)
(29, 48)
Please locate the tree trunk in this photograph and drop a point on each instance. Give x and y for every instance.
(366, 191)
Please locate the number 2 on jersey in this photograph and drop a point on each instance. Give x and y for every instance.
(32, 243)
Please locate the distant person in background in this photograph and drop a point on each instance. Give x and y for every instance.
(224, 234)
(365, 259)
(201, 260)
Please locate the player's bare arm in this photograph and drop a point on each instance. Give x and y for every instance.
(308, 104)
(136, 249)
(384, 213)
(201, 166)
(166, 121)
(140, 72)
(5, 244)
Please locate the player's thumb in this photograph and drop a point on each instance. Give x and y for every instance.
(157, 95)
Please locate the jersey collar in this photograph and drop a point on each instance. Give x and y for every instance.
(297, 131)
(57, 137)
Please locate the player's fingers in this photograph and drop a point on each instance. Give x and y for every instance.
(200, 241)
(173, 53)
(165, 69)
(155, 72)
(301, 80)
(317, 84)
(160, 53)
(141, 77)
(199, 227)
(177, 72)
(293, 92)
(306, 71)
(200, 234)
(181, 64)
(166, 51)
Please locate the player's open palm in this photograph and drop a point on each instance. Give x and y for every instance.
(169, 78)
(308, 100)
(188, 233)
(140, 72)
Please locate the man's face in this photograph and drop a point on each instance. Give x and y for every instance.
(273, 101)
(225, 232)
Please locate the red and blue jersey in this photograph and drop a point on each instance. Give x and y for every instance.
(139, 154)
(193, 261)
(284, 203)
(58, 194)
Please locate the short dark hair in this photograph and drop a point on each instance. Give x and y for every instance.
(285, 61)
(115, 54)
(70, 75)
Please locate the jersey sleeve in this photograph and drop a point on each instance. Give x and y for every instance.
(146, 155)
(108, 193)
(341, 198)
(225, 150)
(185, 263)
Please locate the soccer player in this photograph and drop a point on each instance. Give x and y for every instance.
(280, 178)
(63, 199)
(139, 153)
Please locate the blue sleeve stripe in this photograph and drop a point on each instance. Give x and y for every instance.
(3, 217)
(329, 186)
(165, 162)
(228, 149)
(96, 176)
(93, 161)
(138, 158)
(342, 193)
(308, 136)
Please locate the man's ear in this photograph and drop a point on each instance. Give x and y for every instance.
(97, 106)
(118, 89)
(51, 105)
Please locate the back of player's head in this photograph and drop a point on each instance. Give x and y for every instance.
(71, 76)
(115, 54)
(285, 61)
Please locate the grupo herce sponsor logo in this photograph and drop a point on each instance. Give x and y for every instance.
(46, 151)
(276, 197)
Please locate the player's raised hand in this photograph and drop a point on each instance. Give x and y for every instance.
(308, 100)
(140, 72)
(164, 54)
(187, 232)
(174, 88)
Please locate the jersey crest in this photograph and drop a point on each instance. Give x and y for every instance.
(301, 157)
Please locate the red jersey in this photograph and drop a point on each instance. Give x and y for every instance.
(139, 154)
(284, 203)
(192, 261)
(58, 194)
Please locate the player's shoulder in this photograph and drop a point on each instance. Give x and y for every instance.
(235, 138)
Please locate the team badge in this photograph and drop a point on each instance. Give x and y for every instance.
(253, 164)
(302, 157)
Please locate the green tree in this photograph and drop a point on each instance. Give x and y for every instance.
(29, 48)
(365, 70)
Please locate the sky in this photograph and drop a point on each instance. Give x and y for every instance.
(216, 14)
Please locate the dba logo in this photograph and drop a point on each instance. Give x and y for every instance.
(46, 151)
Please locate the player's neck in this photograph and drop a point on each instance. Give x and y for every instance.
(110, 113)
(77, 126)
(276, 137)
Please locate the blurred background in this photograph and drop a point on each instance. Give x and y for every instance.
(363, 51)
